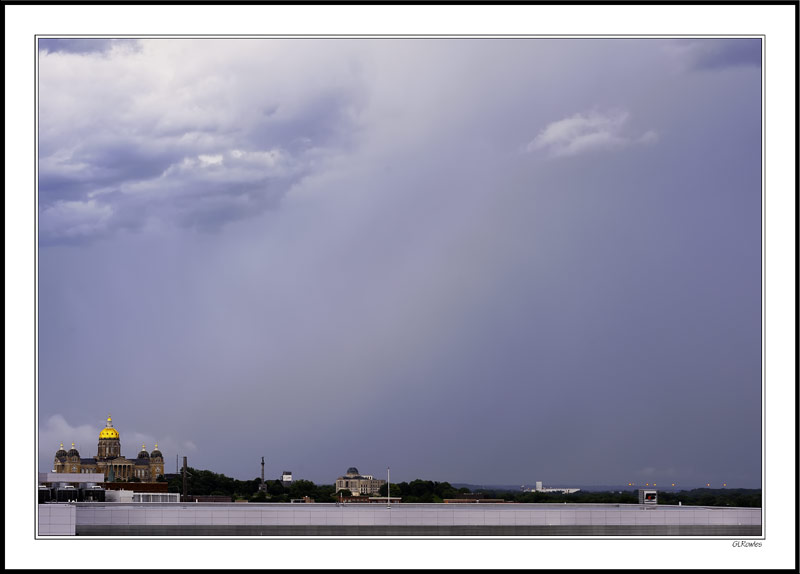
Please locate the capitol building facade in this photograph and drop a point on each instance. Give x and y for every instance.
(147, 466)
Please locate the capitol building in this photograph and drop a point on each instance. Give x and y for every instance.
(109, 461)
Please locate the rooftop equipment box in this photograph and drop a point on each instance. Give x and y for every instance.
(647, 496)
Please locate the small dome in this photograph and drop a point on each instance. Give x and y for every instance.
(109, 431)
(352, 470)
(143, 453)
(156, 453)
(73, 451)
(61, 452)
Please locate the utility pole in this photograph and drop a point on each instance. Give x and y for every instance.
(184, 479)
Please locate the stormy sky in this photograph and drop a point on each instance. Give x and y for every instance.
(492, 261)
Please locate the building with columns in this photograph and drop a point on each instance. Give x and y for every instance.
(147, 466)
(359, 484)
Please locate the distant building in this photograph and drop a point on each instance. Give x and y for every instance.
(286, 478)
(371, 499)
(149, 487)
(476, 500)
(540, 488)
(205, 498)
(471, 495)
(359, 484)
(147, 466)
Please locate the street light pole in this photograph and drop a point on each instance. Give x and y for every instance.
(388, 489)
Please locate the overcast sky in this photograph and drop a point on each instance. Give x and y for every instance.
(486, 261)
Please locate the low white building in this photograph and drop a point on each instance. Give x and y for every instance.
(540, 488)
(154, 497)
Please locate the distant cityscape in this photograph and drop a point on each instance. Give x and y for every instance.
(110, 466)
(149, 466)
(110, 494)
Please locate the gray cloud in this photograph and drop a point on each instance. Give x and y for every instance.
(712, 54)
(85, 45)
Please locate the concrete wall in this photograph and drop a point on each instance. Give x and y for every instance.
(98, 519)
(57, 520)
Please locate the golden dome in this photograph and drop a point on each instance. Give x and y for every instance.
(109, 431)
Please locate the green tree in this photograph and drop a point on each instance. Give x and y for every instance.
(325, 493)
(275, 487)
(301, 488)
(259, 496)
(445, 490)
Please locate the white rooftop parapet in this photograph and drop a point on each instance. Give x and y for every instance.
(83, 477)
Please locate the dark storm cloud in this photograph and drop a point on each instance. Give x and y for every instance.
(208, 150)
(201, 193)
(84, 45)
(711, 54)
(101, 162)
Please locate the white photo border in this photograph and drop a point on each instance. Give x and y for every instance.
(775, 22)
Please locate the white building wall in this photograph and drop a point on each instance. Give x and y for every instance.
(410, 514)
(56, 520)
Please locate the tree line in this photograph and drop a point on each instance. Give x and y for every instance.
(739, 497)
(206, 482)
(423, 491)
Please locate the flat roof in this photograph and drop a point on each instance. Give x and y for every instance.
(71, 477)
(437, 507)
